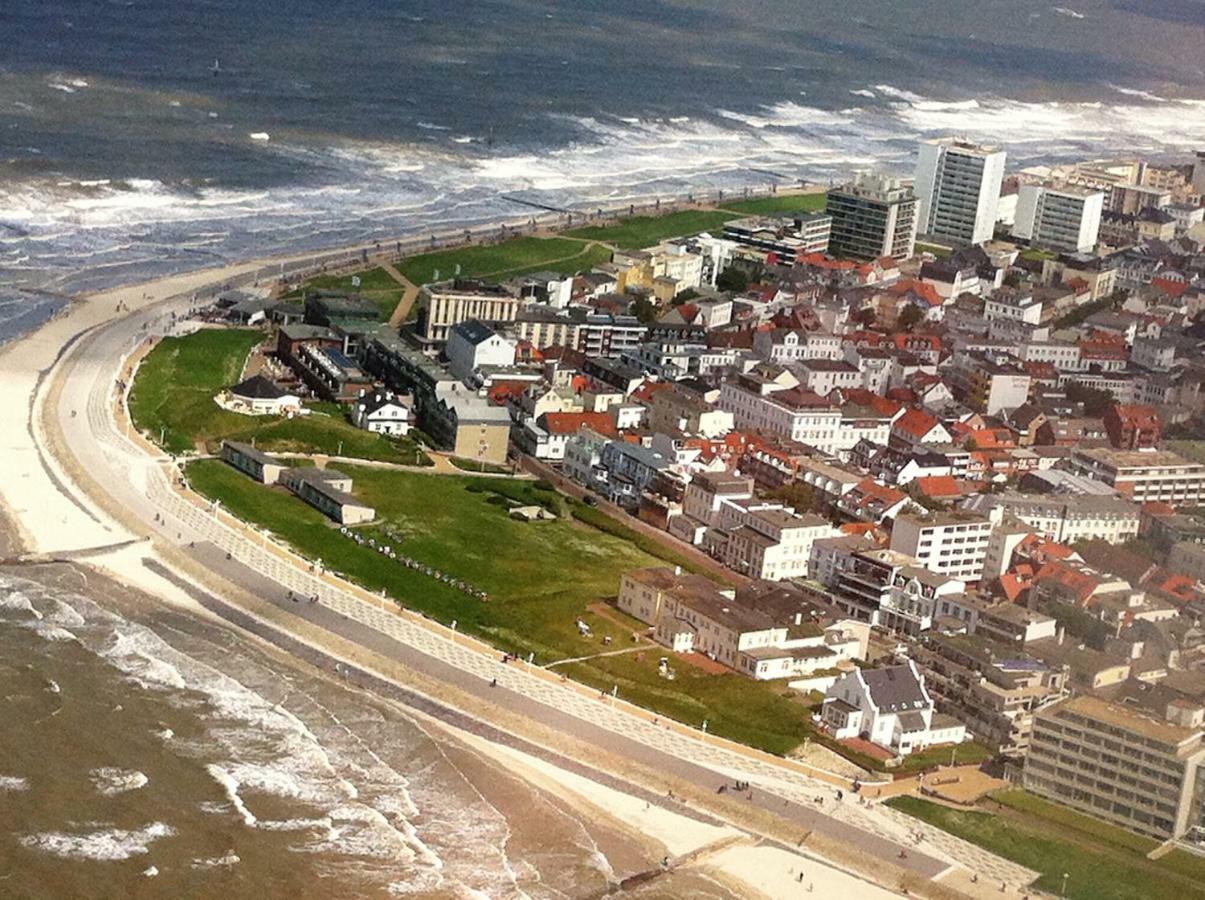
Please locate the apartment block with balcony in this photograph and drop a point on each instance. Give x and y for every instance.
(1144, 475)
(1126, 765)
(949, 543)
(873, 216)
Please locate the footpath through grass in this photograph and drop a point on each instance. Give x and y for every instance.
(1099, 864)
(541, 577)
(514, 257)
(173, 395)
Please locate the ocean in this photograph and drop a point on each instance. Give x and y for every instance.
(149, 752)
(146, 751)
(141, 137)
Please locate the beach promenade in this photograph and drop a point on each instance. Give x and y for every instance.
(82, 485)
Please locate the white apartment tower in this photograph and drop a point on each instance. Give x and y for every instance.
(958, 189)
(1066, 217)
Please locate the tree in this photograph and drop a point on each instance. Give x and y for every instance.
(799, 494)
(644, 310)
(1095, 400)
(864, 317)
(732, 279)
(909, 317)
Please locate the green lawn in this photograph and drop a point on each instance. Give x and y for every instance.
(173, 395)
(777, 204)
(376, 285)
(1096, 870)
(540, 577)
(936, 250)
(644, 231)
(1062, 817)
(517, 256)
(1192, 450)
(962, 754)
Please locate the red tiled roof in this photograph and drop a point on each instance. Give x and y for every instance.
(644, 393)
(915, 423)
(1171, 287)
(922, 290)
(939, 487)
(572, 422)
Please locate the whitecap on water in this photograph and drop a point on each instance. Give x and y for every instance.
(13, 784)
(111, 781)
(102, 844)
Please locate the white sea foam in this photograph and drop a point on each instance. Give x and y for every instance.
(102, 844)
(13, 784)
(260, 136)
(227, 860)
(19, 602)
(150, 872)
(1068, 12)
(111, 781)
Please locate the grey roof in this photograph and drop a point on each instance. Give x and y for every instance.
(257, 388)
(474, 331)
(894, 688)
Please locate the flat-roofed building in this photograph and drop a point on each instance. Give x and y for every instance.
(449, 303)
(1121, 763)
(1065, 518)
(958, 189)
(1062, 217)
(1144, 475)
(949, 543)
(873, 216)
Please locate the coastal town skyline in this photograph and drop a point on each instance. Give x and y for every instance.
(762, 475)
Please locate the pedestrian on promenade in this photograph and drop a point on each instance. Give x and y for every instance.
(494, 683)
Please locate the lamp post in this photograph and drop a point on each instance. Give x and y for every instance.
(1063, 892)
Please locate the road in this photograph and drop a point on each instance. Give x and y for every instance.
(81, 402)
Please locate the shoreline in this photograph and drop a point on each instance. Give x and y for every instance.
(34, 501)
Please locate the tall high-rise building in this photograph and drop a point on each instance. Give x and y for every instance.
(1066, 217)
(958, 189)
(872, 216)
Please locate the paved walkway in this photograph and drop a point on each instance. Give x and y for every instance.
(409, 294)
(188, 518)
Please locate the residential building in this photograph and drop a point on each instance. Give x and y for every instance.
(784, 237)
(958, 189)
(258, 396)
(472, 345)
(873, 216)
(949, 543)
(773, 544)
(889, 707)
(1144, 475)
(449, 303)
(383, 413)
(994, 688)
(988, 384)
(1065, 518)
(1126, 765)
(1133, 426)
(1061, 217)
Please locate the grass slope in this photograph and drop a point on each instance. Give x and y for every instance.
(1097, 868)
(541, 577)
(514, 257)
(376, 285)
(173, 394)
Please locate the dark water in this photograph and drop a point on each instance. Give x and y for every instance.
(122, 154)
(147, 753)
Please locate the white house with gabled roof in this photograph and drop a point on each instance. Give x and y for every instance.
(889, 707)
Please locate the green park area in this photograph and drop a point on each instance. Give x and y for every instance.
(517, 256)
(541, 577)
(172, 401)
(376, 285)
(645, 231)
(1101, 861)
(777, 204)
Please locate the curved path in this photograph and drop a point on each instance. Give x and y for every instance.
(85, 425)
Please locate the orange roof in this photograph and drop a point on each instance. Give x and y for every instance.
(1079, 584)
(915, 423)
(502, 392)
(572, 422)
(1169, 286)
(1158, 509)
(644, 393)
(1014, 585)
(920, 289)
(939, 486)
(877, 402)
